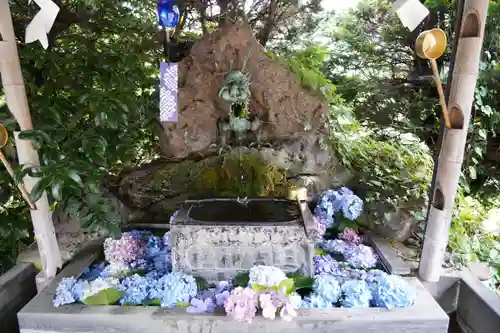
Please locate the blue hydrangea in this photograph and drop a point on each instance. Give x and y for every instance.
(81, 288)
(373, 275)
(352, 207)
(64, 292)
(327, 287)
(355, 294)
(391, 291)
(332, 201)
(345, 274)
(154, 246)
(178, 287)
(315, 302)
(136, 289)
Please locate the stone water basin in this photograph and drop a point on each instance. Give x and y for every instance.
(217, 238)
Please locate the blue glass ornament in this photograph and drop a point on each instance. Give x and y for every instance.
(168, 14)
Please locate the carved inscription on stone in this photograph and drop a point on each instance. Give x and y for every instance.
(220, 252)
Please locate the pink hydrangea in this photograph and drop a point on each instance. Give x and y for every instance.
(272, 301)
(128, 250)
(350, 235)
(241, 305)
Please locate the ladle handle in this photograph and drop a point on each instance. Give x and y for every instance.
(21, 188)
(442, 100)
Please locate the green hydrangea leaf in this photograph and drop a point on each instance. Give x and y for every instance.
(258, 288)
(182, 305)
(201, 283)
(302, 281)
(242, 279)
(155, 302)
(108, 296)
(287, 286)
(320, 252)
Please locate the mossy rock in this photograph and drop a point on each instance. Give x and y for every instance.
(158, 190)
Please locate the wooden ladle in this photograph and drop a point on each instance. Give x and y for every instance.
(431, 45)
(4, 137)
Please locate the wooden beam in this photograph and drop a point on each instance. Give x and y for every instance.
(463, 85)
(17, 102)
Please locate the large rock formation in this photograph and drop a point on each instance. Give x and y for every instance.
(277, 98)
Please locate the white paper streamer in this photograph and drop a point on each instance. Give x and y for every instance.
(410, 12)
(40, 26)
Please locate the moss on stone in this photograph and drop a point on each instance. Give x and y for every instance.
(243, 175)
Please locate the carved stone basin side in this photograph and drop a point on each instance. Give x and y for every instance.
(217, 238)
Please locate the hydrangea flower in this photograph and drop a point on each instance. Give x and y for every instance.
(117, 269)
(223, 286)
(357, 255)
(315, 302)
(100, 284)
(79, 289)
(346, 273)
(333, 201)
(242, 304)
(391, 291)
(360, 256)
(136, 289)
(352, 206)
(266, 276)
(221, 298)
(325, 264)
(274, 301)
(373, 275)
(349, 235)
(129, 250)
(200, 306)
(334, 246)
(355, 294)
(327, 287)
(177, 287)
(64, 292)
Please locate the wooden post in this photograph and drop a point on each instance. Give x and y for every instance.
(15, 94)
(453, 145)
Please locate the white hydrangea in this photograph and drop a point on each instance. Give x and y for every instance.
(100, 284)
(266, 276)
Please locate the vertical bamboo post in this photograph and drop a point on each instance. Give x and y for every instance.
(453, 145)
(15, 94)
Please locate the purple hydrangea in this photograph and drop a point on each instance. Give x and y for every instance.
(200, 306)
(325, 264)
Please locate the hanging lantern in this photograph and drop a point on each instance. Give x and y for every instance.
(168, 14)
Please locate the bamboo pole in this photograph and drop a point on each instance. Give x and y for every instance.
(453, 144)
(15, 94)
